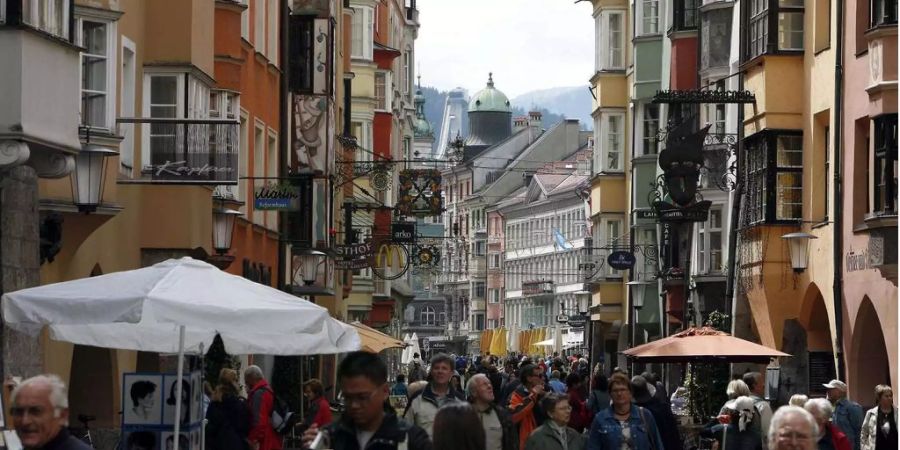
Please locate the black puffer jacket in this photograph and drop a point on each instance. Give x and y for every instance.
(392, 432)
(228, 424)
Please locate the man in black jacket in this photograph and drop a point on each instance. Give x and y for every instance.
(40, 414)
(368, 422)
(644, 395)
(499, 431)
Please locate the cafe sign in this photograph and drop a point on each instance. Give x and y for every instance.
(276, 197)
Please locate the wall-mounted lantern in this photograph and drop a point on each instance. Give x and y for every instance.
(89, 174)
(799, 248)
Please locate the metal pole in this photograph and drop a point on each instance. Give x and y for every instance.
(178, 387)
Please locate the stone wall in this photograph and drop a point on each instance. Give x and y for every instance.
(19, 263)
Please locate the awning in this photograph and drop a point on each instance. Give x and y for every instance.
(374, 341)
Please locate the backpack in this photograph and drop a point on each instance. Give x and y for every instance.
(281, 418)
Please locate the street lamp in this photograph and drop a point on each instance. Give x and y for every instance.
(310, 259)
(584, 301)
(799, 248)
(223, 226)
(89, 175)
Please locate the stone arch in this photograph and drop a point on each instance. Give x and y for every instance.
(871, 364)
(815, 320)
(808, 339)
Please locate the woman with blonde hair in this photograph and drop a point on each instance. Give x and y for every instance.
(798, 400)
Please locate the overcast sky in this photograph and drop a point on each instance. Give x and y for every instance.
(527, 44)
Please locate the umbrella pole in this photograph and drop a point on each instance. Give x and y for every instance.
(178, 387)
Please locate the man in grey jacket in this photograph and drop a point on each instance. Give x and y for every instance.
(423, 406)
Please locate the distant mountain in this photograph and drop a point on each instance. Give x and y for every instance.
(572, 102)
(434, 110)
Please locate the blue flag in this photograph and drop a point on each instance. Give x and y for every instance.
(561, 240)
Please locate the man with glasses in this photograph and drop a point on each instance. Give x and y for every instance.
(40, 414)
(792, 428)
(523, 403)
(368, 421)
(423, 406)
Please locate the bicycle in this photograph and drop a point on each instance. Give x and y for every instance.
(86, 428)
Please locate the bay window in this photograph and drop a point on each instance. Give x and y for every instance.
(611, 229)
(686, 17)
(709, 243)
(49, 16)
(884, 159)
(651, 129)
(610, 32)
(362, 131)
(612, 141)
(649, 16)
(382, 91)
(763, 16)
(427, 316)
(773, 170)
(361, 43)
(884, 12)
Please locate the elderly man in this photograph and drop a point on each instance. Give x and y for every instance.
(848, 415)
(792, 428)
(830, 437)
(40, 414)
(424, 405)
(261, 400)
(756, 383)
(499, 431)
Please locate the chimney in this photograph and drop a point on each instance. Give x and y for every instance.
(534, 119)
(519, 123)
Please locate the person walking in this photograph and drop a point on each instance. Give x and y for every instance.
(40, 414)
(499, 430)
(830, 437)
(523, 403)
(423, 407)
(555, 385)
(319, 413)
(555, 434)
(879, 429)
(734, 429)
(581, 416)
(792, 428)
(456, 427)
(848, 415)
(399, 387)
(367, 423)
(261, 400)
(415, 369)
(756, 384)
(228, 420)
(599, 397)
(645, 396)
(623, 424)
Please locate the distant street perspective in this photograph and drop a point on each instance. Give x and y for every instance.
(448, 225)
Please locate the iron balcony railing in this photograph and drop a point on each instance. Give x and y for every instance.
(185, 151)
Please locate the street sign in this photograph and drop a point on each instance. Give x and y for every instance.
(621, 260)
(403, 232)
(562, 318)
(577, 321)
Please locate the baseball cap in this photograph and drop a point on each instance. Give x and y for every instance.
(836, 384)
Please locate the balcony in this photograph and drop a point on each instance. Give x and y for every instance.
(187, 151)
(537, 287)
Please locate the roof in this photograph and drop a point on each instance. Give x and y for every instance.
(490, 99)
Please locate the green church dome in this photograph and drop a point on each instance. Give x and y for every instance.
(489, 99)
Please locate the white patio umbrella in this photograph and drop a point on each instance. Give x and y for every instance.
(177, 306)
(415, 346)
(406, 356)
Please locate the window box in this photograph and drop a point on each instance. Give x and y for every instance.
(773, 170)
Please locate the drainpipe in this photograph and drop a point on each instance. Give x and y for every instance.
(731, 285)
(283, 143)
(838, 196)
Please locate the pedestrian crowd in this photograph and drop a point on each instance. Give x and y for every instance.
(490, 403)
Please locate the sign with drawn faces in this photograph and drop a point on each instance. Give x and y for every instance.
(170, 400)
(142, 399)
(167, 439)
(141, 440)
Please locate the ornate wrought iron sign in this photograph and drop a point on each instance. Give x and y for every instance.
(675, 197)
(703, 96)
(420, 193)
(621, 260)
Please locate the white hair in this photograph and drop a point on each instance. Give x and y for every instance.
(59, 394)
(798, 400)
(254, 371)
(782, 415)
(819, 408)
(470, 386)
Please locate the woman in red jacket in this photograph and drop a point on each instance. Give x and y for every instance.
(821, 409)
(319, 413)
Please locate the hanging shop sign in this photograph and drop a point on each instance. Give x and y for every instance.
(390, 260)
(577, 321)
(403, 232)
(698, 212)
(562, 318)
(420, 193)
(353, 257)
(621, 260)
(276, 197)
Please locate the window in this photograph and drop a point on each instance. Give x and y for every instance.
(224, 105)
(494, 296)
(494, 261)
(612, 139)
(822, 25)
(492, 324)
(651, 129)
(128, 100)
(98, 74)
(611, 40)
(773, 169)
(244, 160)
(427, 316)
(51, 16)
(709, 242)
(245, 20)
(785, 15)
(826, 172)
(273, 28)
(259, 25)
(649, 16)
(479, 322)
(272, 172)
(383, 91)
(362, 131)
(407, 70)
(611, 231)
(165, 94)
(361, 41)
(259, 161)
(479, 289)
(884, 12)
(884, 173)
(715, 38)
(686, 14)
